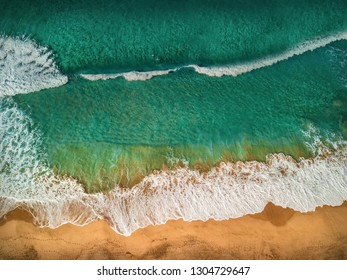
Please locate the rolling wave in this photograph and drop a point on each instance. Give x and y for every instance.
(26, 67)
(227, 70)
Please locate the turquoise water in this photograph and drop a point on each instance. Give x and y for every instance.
(113, 133)
(99, 35)
(268, 107)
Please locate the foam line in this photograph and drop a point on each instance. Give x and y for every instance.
(230, 190)
(130, 76)
(231, 69)
(241, 68)
(26, 67)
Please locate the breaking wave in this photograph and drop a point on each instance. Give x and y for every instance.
(26, 67)
(130, 76)
(227, 70)
(228, 190)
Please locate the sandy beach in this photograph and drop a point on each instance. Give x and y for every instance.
(276, 233)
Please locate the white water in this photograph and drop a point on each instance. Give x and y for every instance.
(130, 76)
(228, 70)
(228, 191)
(26, 67)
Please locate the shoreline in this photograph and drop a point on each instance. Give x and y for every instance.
(275, 233)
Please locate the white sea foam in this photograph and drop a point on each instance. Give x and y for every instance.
(130, 76)
(241, 68)
(26, 67)
(23, 175)
(230, 69)
(228, 191)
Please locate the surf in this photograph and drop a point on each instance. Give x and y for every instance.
(229, 190)
(228, 69)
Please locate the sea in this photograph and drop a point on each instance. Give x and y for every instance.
(142, 111)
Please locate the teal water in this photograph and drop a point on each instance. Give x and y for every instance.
(110, 148)
(90, 126)
(101, 36)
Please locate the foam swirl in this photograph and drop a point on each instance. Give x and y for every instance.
(26, 67)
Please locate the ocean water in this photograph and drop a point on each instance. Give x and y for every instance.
(137, 112)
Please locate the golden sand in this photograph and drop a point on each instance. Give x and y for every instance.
(276, 233)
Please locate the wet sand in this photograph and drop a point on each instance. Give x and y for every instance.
(276, 233)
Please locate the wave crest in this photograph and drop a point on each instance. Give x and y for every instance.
(230, 69)
(130, 76)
